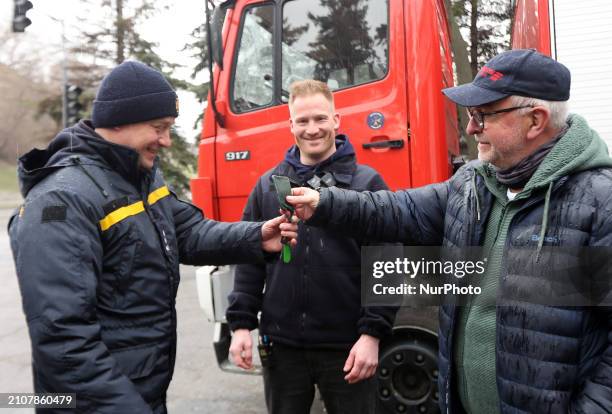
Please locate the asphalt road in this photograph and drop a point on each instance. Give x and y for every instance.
(198, 386)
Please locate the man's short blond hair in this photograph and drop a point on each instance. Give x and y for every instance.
(308, 87)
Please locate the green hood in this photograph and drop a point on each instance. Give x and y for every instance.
(579, 149)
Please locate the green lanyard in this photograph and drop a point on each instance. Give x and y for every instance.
(286, 253)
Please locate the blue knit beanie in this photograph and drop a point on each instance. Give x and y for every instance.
(131, 93)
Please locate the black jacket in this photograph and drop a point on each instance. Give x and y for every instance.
(549, 359)
(97, 246)
(313, 301)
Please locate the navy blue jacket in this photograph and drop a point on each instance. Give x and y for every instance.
(550, 359)
(97, 246)
(315, 300)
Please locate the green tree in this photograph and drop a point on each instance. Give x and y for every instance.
(342, 40)
(486, 24)
(198, 48)
(479, 29)
(290, 33)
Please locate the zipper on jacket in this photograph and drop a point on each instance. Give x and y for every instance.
(447, 393)
(529, 202)
(472, 203)
(476, 195)
(305, 282)
(145, 188)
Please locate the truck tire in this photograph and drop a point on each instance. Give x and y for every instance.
(408, 373)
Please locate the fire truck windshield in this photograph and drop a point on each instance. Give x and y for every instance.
(343, 46)
(327, 41)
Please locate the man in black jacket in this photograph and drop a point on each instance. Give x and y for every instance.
(313, 326)
(539, 203)
(97, 246)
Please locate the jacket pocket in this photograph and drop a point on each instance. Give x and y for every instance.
(122, 253)
(137, 361)
(126, 265)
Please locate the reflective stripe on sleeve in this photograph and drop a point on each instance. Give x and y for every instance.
(122, 213)
(158, 194)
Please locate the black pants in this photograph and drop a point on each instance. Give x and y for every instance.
(290, 379)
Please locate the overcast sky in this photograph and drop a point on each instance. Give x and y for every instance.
(170, 28)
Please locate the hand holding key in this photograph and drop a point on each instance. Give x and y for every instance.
(304, 201)
(283, 189)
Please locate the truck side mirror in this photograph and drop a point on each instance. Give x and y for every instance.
(216, 34)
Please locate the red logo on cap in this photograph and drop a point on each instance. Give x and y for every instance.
(493, 74)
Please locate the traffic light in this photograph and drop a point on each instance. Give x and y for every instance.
(20, 21)
(73, 104)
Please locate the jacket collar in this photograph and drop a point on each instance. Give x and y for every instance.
(342, 164)
(342, 169)
(122, 159)
(82, 144)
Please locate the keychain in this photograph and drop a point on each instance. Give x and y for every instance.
(283, 189)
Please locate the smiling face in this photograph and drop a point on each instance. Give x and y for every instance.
(314, 124)
(146, 138)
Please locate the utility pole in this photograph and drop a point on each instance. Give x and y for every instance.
(120, 32)
(64, 71)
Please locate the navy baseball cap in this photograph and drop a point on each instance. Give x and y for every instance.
(523, 72)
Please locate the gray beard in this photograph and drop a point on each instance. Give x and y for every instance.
(519, 175)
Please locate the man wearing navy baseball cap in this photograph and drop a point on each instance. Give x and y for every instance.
(97, 246)
(537, 198)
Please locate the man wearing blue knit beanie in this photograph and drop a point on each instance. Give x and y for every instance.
(97, 246)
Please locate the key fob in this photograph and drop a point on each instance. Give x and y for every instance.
(282, 185)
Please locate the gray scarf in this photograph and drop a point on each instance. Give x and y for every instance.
(518, 175)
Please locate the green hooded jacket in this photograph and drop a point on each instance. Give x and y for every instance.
(579, 149)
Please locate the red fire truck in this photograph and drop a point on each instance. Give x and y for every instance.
(386, 62)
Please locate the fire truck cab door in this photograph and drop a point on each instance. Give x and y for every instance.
(358, 51)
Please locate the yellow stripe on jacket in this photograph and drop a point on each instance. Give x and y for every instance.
(122, 213)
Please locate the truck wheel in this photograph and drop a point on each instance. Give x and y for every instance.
(408, 375)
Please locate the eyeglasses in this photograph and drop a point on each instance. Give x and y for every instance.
(479, 117)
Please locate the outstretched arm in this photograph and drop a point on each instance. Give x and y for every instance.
(203, 241)
(413, 216)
